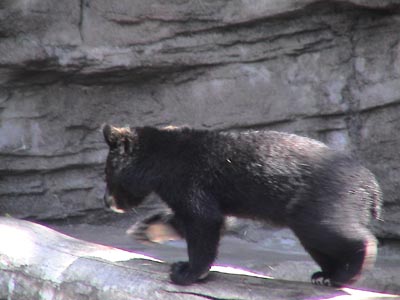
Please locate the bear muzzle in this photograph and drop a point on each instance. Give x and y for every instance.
(111, 203)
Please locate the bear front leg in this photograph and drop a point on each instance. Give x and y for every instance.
(202, 237)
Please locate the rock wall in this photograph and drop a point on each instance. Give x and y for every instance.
(326, 69)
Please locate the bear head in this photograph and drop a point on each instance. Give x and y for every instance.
(127, 185)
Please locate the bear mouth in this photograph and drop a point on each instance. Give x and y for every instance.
(115, 209)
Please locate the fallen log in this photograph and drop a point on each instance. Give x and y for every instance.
(39, 263)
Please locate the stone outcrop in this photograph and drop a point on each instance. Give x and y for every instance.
(54, 266)
(326, 69)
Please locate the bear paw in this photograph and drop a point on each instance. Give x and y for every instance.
(320, 278)
(182, 274)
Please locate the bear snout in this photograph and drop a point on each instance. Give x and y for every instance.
(110, 203)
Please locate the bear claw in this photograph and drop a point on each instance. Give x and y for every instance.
(320, 278)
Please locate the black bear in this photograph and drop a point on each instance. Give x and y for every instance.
(324, 196)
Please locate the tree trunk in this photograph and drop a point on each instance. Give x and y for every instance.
(39, 263)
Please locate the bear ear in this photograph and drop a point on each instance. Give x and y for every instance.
(120, 138)
(110, 135)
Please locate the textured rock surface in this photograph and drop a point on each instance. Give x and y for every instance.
(329, 70)
(54, 266)
(278, 255)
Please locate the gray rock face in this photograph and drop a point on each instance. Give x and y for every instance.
(329, 70)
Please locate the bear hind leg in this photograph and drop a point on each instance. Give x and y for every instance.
(358, 257)
(342, 257)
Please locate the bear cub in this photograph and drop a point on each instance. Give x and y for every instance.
(325, 197)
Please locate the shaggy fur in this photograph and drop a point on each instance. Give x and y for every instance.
(324, 196)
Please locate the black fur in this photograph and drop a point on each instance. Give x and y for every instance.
(324, 196)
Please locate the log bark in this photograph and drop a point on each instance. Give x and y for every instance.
(39, 263)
